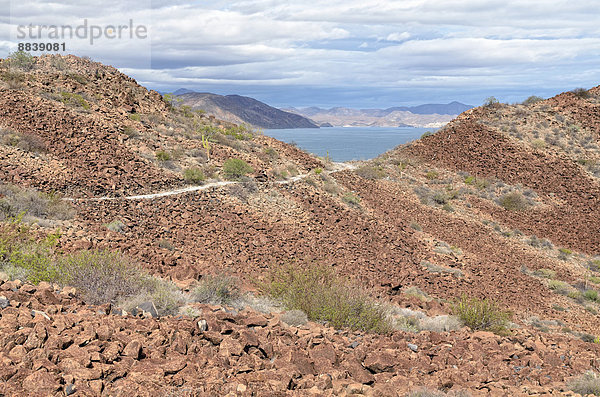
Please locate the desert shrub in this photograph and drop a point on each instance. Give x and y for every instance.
(559, 287)
(351, 198)
(440, 198)
(116, 226)
(426, 134)
(481, 314)
(417, 293)
(130, 131)
(591, 295)
(318, 171)
(442, 323)
(545, 273)
(14, 79)
(433, 268)
(194, 175)
(16, 200)
(165, 296)
(371, 172)
(21, 60)
(532, 99)
(22, 254)
(239, 132)
(514, 201)
(295, 318)
(416, 226)
(216, 290)
(235, 169)
(431, 175)
(134, 117)
(564, 253)
(272, 153)
(448, 208)
(72, 99)
(323, 296)
(162, 155)
(538, 143)
(581, 93)
(330, 186)
(490, 101)
(24, 141)
(586, 384)
(100, 276)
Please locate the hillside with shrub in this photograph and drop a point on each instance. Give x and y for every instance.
(149, 249)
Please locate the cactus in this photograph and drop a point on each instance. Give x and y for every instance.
(206, 145)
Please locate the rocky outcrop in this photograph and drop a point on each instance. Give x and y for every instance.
(53, 344)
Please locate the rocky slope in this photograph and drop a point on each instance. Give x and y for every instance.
(416, 227)
(244, 110)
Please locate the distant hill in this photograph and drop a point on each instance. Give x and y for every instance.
(428, 115)
(243, 110)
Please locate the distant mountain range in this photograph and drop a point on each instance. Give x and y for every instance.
(243, 110)
(428, 115)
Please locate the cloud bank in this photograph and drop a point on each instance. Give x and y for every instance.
(366, 53)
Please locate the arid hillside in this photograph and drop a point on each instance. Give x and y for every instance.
(156, 236)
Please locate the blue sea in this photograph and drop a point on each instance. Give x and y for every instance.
(348, 143)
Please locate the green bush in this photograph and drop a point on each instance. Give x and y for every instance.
(134, 117)
(480, 314)
(194, 175)
(216, 290)
(513, 201)
(16, 200)
(490, 101)
(591, 295)
(581, 93)
(21, 253)
(532, 99)
(351, 198)
(235, 169)
(431, 175)
(21, 60)
(323, 296)
(371, 172)
(588, 383)
(99, 276)
(162, 155)
(69, 98)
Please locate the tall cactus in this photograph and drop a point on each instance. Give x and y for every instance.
(206, 145)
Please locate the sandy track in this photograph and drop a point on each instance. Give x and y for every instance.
(337, 167)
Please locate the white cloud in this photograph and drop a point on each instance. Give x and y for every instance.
(352, 45)
(396, 36)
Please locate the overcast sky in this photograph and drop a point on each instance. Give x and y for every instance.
(356, 53)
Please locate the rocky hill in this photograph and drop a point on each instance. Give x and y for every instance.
(244, 110)
(141, 248)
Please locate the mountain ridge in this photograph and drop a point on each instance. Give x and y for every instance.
(426, 115)
(243, 110)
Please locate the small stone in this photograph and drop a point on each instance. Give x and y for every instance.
(4, 303)
(70, 389)
(148, 308)
(133, 349)
(413, 347)
(41, 313)
(203, 325)
(354, 345)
